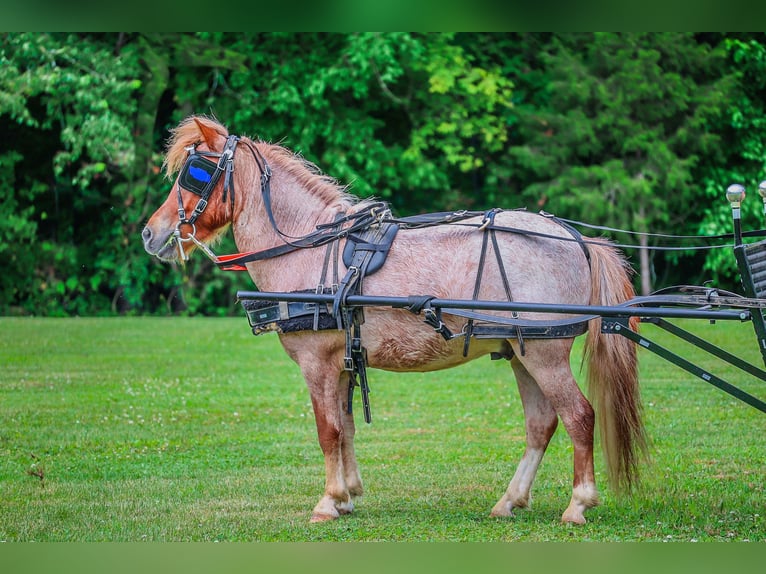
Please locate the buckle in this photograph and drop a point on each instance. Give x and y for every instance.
(201, 205)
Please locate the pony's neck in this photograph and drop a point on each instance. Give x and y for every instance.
(300, 200)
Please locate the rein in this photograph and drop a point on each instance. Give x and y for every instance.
(200, 175)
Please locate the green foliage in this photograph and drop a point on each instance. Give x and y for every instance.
(71, 90)
(639, 131)
(744, 155)
(395, 115)
(18, 230)
(625, 126)
(86, 91)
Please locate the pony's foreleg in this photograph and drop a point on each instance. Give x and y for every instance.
(334, 430)
(540, 421)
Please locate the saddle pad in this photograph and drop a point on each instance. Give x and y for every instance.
(377, 241)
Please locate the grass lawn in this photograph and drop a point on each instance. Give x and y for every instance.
(191, 429)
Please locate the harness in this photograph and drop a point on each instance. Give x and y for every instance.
(200, 176)
(369, 234)
(364, 254)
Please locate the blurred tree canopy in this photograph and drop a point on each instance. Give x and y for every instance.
(637, 131)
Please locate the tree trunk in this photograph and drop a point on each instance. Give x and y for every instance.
(646, 272)
(645, 267)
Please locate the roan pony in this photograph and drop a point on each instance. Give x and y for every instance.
(438, 260)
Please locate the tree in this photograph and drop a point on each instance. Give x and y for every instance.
(618, 131)
(638, 131)
(68, 101)
(401, 116)
(743, 157)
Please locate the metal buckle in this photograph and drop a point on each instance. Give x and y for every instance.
(201, 205)
(181, 240)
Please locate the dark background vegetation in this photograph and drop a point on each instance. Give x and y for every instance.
(642, 131)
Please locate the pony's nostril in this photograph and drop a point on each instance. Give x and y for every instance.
(146, 234)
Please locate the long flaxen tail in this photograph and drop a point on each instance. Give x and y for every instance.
(612, 366)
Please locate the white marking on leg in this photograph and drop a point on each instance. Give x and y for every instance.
(584, 496)
(518, 493)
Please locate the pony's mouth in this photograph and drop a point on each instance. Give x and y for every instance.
(168, 252)
(164, 248)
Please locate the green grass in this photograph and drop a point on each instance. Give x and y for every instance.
(179, 429)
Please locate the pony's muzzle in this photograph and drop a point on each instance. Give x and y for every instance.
(156, 245)
(146, 235)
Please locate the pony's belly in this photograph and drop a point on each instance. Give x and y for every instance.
(396, 352)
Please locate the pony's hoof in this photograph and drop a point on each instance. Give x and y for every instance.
(504, 511)
(322, 517)
(329, 508)
(573, 518)
(505, 507)
(584, 497)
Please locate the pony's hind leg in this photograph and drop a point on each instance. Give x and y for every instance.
(540, 421)
(548, 363)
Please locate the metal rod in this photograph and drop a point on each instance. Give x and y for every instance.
(404, 302)
(735, 193)
(690, 367)
(709, 347)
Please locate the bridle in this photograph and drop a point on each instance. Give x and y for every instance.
(200, 176)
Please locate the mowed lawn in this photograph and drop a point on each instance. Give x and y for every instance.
(191, 429)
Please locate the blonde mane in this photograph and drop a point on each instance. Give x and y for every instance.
(281, 160)
(187, 133)
(308, 175)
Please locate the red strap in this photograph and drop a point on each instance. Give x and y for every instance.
(225, 258)
(220, 260)
(233, 268)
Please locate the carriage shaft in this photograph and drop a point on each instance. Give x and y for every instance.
(618, 328)
(409, 302)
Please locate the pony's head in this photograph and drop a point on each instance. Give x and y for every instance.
(200, 205)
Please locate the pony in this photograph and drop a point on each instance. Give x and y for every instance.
(541, 263)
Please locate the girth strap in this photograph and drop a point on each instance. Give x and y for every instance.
(371, 249)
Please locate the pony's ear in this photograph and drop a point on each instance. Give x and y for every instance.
(209, 134)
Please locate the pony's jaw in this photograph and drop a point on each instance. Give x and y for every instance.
(169, 253)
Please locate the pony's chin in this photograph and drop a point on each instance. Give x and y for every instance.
(168, 253)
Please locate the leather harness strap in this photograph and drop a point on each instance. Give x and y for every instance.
(489, 234)
(362, 257)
